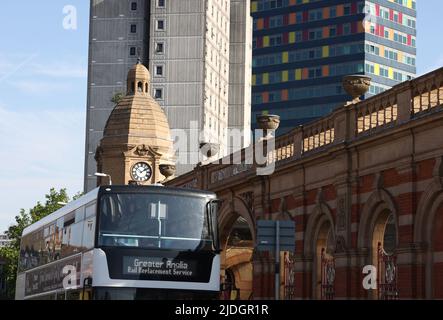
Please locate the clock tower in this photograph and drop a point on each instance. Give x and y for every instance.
(136, 147)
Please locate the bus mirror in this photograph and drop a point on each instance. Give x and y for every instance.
(211, 210)
(87, 282)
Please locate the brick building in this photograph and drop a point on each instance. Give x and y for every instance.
(364, 186)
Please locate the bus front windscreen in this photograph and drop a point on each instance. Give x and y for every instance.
(154, 221)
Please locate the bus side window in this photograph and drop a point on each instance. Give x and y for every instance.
(88, 233)
(90, 210)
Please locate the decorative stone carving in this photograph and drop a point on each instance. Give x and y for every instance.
(190, 184)
(168, 170)
(248, 197)
(142, 151)
(356, 86)
(340, 244)
(341, 213)
(209, 149)
(268, 121)
(229, 171)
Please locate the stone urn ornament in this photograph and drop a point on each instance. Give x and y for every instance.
(356, 86)
(209, 149)
(268, 123)
(167, 170)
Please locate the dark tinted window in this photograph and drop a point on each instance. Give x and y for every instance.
(153, 221)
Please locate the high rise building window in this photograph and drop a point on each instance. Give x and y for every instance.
(132, 51)
(159, 70)
(161, 3)
(347, 28)
(133, 28)
(158, 93)
(159, 47)
(161, 25)
(133, 6)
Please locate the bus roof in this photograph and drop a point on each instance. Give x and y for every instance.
(93, 194)
(71, 206)
(159, 189)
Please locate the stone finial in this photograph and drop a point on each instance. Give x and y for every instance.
(356, 86)
(167, 170)
(268, 123)
(209, 149)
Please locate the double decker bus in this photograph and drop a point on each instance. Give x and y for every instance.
(124, 243)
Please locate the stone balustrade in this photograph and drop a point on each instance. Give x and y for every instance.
(402, 104)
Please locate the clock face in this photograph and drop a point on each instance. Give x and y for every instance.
(141, 172)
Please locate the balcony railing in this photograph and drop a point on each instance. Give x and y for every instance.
(405, 102)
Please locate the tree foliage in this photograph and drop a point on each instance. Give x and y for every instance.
(116, 98)
(14, 232)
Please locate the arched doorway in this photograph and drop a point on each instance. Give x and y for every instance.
(428, 229)
(320, 243)
(325, 264)
(238, 266)
(237, 235)
(378, 233)
(384, 244)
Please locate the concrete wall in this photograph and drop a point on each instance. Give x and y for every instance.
(240, 71)
(110, 41)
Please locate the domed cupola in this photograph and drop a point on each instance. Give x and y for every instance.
(136, 138)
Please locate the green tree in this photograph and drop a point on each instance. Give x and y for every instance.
(14, 232)
(116, 98)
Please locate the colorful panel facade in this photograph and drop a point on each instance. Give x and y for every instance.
(303, 48)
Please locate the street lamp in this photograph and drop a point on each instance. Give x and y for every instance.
(99, 174)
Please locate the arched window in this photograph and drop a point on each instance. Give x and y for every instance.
(140, 87)
(146, 87)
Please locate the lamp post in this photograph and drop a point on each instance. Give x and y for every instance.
(99, 174)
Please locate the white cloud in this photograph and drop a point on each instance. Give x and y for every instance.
(39, 149)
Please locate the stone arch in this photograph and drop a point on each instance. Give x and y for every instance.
(140, 87)
(319, 230)
(236, 258)
(424, 229)
(426, 210)
(319, 215)
(378, 212)
(380, 201)
(229, 213)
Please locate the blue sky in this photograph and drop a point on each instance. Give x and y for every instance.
(43, 73)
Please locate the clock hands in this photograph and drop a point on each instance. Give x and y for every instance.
(141, 172)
